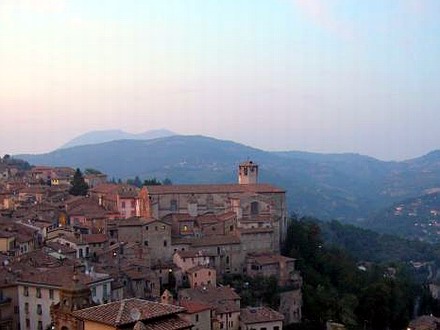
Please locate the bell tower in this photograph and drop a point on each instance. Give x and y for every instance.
(248, 173)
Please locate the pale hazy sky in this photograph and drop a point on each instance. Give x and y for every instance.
(315, 75)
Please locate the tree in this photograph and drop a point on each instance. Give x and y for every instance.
(167, 182)
(137, 182)
(152, 182)
(79, 186)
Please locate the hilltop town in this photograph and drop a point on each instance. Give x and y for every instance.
(155, 257)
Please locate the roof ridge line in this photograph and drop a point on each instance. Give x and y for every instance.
(120, 311)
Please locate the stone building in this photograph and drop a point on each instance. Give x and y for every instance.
(224, 301)
(152, 234)
(255, 205)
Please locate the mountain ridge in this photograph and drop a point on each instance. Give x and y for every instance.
(347, 187)
(102, 136)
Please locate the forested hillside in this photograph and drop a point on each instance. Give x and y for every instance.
(363, 288)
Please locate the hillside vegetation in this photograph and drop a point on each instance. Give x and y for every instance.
(370, 288)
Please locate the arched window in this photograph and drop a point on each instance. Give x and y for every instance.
(255, 208)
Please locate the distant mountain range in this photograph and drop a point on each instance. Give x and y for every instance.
(96, 137)
(348, 187)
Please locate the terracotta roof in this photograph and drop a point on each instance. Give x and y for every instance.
(269, 258)
(253, 315)
(171, 323)
(215, 240)
(194, 306)
(222, 299)
(213, 188)
(121, 312)
(136, 221)
(226, 216)
(95, 238)
(59, 277)
(123, 190)
(179, 217)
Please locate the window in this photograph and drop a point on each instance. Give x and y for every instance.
(146, 227)
(197, 317)
(195, 274)
(165, 243)
(38, 294)
(94, 291)
(254, 208)
(26, 308)
(51, 294)
(39, 310)
(26, 291)
(133, 204)
(87, 251)
(173, 205)
(276, 328)
(40, 325)
(146, 243)
(123, 205)
(209, 273)
(185, 228)
(28, 323)
(81, 253)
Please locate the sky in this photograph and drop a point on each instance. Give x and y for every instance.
(315, 75)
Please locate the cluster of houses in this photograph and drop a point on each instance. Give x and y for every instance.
(154, 257)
